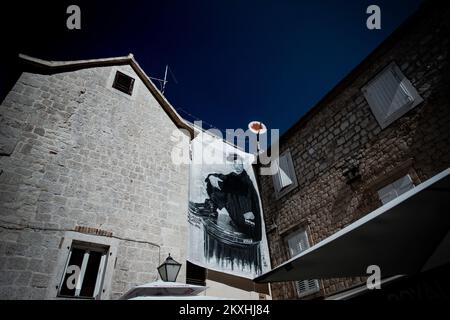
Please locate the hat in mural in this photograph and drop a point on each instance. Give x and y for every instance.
(234, 157)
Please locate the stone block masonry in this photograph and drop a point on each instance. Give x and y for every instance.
(77, 154)
(343, 130)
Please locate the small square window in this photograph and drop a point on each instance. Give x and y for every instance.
(390, 95)
(298, 242)
(284, 179)
(395, 189)
(84, 270)
(123, 83)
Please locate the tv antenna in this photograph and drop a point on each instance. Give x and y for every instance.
(163, 82)
(165, 79)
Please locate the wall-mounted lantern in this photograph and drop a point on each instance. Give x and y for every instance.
(168, 271)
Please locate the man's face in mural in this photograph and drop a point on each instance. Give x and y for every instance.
(238, 167)
(237, 163)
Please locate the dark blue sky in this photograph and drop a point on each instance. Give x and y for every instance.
(234, 61)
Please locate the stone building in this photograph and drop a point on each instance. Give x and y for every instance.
(382, 130)
(87, 179)
(86, 176)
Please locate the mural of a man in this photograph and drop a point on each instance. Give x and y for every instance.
(236, 193)
(230, 217)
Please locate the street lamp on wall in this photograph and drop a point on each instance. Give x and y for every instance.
(169, 269)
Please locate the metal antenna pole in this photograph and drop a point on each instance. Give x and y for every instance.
(165, 79)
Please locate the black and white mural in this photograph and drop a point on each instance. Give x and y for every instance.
(225, 213)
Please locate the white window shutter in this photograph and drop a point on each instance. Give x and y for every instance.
(393, 190)
(387, 193)
(284, 172)
(402, 96)
(297, 243)
(306, 287)
(276, 180)
(387, 94)
(284, 178)
(390, 95)
(403, 184)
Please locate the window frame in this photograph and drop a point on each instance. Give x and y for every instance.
(296, 284)
(118, 87)
(280, 192)
(129, 72)
(88, 248)
(62, 260)
(411, 180)
(383, 119)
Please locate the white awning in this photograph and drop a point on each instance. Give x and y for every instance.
(178, 298)
(407, 235)
(163, 288)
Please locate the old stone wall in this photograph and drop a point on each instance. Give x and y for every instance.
(345, 130)
(75, 152)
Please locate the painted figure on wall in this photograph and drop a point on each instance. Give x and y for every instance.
(235, 192)
(231, 217)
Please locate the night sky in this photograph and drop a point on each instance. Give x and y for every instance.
(232, 61)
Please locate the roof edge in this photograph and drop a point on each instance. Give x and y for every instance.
(130, 60)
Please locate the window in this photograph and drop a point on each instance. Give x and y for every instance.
(89, 262)
(395, 189)
(284, 180)
(123, 83)
(390, 95)
(298, 242)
